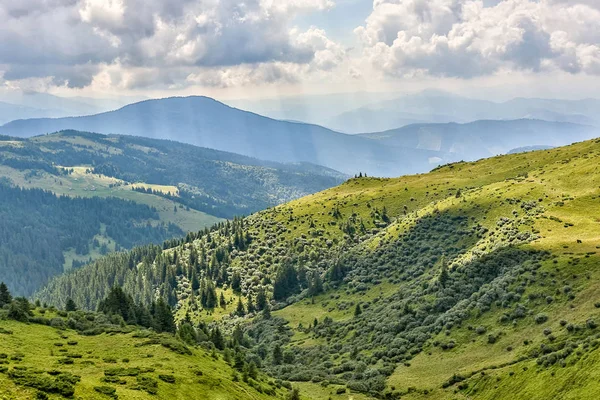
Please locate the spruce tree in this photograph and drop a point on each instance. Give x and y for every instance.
(277, 354)
(5, 297)
(70, 306)
(222, 301)
(261, 299)
(357, 310)
(163, 317)
(240, 311)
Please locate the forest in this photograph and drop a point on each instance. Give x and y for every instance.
(38, 228)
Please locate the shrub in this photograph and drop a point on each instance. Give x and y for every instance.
(541, 318)
(107, 390)
(167, 378)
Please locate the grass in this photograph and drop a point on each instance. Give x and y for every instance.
(195, 375)
(83, 184)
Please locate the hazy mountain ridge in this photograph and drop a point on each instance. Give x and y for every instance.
(484, 138)
(433, 106)
(206, 122)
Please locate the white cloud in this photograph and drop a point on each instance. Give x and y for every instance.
(467, 38)
(164, 42)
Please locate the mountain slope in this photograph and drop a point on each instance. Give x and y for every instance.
(219, 183)
(477, 280)
(114, 362)
(484, 138)
(119, 192)
(205, 122)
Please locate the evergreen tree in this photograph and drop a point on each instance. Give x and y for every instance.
(240, 311)
(316, 284)
(357, 310)
(163, 317)
(444, 276)
(70, 306)
(5, 297)
(217, 338)
(261, 299)
(222, 301)
(277, 354)
(250, 305)
(236, 282)
(286, 281)
(266, 312)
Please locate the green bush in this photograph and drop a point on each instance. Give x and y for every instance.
(107, 390)
(167, 378)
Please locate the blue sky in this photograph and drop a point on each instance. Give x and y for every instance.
(339, 21)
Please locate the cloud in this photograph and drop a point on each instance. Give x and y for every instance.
(72, 41)
(470, 38)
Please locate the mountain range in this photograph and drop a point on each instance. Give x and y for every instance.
(208, 123)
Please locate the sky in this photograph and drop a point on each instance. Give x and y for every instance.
(270, 48)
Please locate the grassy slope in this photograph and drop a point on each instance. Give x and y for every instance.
(563, 184)
(38, 346)
(567, 181)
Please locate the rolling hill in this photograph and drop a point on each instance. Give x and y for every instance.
(477, 280)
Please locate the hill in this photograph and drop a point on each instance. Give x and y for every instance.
(477, 280)
(58, 355)
(205, 122)
(120, 192)
(484, 138)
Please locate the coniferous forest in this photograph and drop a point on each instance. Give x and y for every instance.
(38, 227)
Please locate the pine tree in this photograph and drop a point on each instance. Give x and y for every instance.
(217, 338)
(236, 282)
(444, 276)
(261, 299)
(70, 306)
(277, 354)
(266, 312)
(222, 301)
(250, 305)
(240, 311)
(5, 297)
(286, 281)
(316, 284)
(163, 317)
(357, 310)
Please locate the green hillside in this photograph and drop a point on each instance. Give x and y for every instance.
(477, 280)
(118, 192)
(56, 362)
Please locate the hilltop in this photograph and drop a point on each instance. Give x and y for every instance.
(475, 279)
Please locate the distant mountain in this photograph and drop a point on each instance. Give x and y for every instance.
(208, 123)
(434, 106)
(525, 149)
(215, 182)
(480, 139)
(10, 112)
